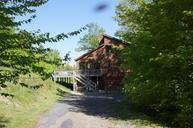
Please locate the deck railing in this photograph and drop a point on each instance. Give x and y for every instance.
(88, 72)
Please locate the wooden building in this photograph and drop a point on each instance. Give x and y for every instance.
(101, 65)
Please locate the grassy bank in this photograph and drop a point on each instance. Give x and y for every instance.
(128, 113)
(22, 104)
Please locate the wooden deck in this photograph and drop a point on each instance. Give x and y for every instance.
(81, 76)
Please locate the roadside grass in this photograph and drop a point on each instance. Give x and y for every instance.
(22, 104)
(129, 114)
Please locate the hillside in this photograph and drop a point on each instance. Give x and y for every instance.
(21, 104)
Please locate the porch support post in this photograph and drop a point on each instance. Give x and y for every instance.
(97, 82)
(55, 79)
(74, 84)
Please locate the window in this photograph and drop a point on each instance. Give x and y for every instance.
(109, 49)
(86, 65)
(81, 65)
(89, 65)
(97, 65)
(109, 64)
(93, 64)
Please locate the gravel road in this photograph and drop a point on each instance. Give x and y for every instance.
(82, 111)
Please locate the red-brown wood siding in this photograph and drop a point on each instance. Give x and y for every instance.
(112, 76)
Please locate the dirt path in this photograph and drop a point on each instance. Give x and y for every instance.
(82, 111)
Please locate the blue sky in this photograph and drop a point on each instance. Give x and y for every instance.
(59, 16)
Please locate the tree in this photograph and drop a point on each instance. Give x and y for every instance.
(19, 48)
(90, 40)
(48, 61)
(53, 57)
(160, 55)
(67, 57)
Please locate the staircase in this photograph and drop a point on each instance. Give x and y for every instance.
(86, 82)
(77, 75)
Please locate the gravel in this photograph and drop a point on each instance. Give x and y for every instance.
(92, 110)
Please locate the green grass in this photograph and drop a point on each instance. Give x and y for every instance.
(25, 108)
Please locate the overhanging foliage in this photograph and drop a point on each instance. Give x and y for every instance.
(20, 49)
(160, 56)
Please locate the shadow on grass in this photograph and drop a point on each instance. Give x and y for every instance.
(67, 85)
(107, 106)
(3, 122)
(128, 111)
(35, 87)
(7, 95)
(60, 92)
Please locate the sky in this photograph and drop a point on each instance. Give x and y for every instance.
(59, 16)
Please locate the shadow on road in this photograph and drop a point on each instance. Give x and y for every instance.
(107, 106)
(93, 104)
